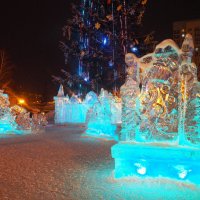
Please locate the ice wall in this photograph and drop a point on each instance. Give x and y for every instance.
(74, 110)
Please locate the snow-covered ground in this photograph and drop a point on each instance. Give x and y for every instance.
(61, 164)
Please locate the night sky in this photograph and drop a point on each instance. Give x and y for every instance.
(31, 30)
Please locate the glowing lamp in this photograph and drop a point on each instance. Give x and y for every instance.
(21, 101)
(183, 35)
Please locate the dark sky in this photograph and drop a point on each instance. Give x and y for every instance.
(31, 30)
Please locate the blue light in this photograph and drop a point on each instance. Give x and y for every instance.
(105, 41)
(110, 63)
(86, 79)
(134, 49)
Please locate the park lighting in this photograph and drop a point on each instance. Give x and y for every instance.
(21, 101)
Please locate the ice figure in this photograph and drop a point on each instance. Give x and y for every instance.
(130, 100)
(90, 99)
(159, 98)
(162, 139)
(169, 84)
(99, 117)
(38, 122)
(22, 118)
(189, 89)
(7, 121)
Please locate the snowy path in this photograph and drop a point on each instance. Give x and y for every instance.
(60, 164)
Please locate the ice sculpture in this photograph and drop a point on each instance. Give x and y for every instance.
(22, 118)
(91, 98)
(160, 133)
(60, 104)
(99, 118)
(7, 121)
(130, 102)
(16, 119)
(72, 110)
(38, 122)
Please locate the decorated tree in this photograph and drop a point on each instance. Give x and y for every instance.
(96, 39)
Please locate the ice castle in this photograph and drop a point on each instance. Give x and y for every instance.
(160, 134)
(74, 110)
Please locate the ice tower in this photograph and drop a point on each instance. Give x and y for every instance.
(60, 101)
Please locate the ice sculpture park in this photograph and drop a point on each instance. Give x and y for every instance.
(160, 135)
(159, 114)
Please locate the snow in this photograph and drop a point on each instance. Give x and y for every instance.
(61, 164)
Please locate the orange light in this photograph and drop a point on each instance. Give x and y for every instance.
(21, 101)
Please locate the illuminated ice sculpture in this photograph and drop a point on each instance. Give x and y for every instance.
(100, 117)
(160, 134)
(7, 121)
(72, 110)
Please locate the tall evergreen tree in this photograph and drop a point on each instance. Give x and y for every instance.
(96, 39)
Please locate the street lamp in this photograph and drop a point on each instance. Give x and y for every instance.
(21, 102)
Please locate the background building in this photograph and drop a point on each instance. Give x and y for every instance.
(181, 28)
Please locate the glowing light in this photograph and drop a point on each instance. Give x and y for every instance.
(134, 49)
(105, 41)
(86, 79)
(110, 63)
(182, 172)
(140, 169)
(183, 35)
(21, 101)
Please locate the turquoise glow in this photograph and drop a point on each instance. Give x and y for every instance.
(4, 128)
(181, 163)
(8, 128)
(100, 129)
